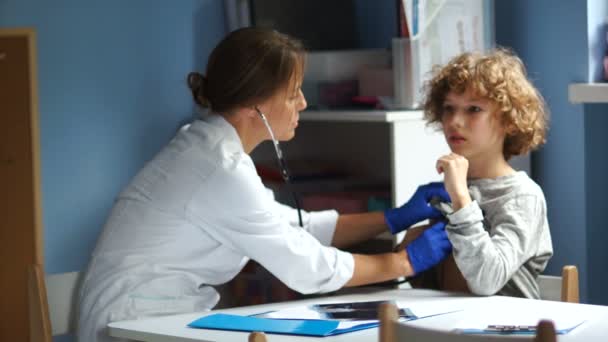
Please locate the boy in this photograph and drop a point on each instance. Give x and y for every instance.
(489, 111)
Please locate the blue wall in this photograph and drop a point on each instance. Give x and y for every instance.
(596, 122)
(112, 91)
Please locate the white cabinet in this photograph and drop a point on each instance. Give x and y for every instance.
(411, 149)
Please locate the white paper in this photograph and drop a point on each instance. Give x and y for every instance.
(510, 313)
(419, 309)
(307, 312)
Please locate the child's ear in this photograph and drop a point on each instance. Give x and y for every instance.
(509, 128)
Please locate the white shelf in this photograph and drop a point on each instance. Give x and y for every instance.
(361, 115)
(588, 93)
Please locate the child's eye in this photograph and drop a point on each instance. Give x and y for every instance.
(448, 109)
(474, 109)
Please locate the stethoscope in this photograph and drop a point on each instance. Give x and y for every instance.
(282, 165)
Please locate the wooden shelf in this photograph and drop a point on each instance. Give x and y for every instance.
(361, 115)
(588, 93)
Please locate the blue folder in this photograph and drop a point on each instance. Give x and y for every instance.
(277, 326)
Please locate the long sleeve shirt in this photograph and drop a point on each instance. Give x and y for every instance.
(501, 240)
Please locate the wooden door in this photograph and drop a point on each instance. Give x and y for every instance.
(20, 200)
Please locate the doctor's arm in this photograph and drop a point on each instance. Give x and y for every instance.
(354, 228)
(424, 252)
(377, 268)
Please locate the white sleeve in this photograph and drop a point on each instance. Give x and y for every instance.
(240, 215)
(321, 224)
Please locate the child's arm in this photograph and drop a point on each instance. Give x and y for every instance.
(488, 260)
(455, 168)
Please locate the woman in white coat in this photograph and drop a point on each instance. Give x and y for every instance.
(198, 211)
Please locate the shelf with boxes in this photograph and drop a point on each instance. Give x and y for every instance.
(361, 115)
(393, 78)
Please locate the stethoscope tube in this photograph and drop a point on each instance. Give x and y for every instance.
(282, 165)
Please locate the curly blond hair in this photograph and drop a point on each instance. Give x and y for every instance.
(499, 76)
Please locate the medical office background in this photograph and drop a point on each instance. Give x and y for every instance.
(112, 92)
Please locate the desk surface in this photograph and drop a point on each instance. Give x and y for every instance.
(174, 328)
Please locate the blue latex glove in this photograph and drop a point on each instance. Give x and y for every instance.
(430, 248)
(417, 208)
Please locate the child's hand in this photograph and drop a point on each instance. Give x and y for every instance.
(454, 168)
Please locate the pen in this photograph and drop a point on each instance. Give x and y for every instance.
(511, 328)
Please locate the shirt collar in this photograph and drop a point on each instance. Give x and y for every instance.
(228, 132)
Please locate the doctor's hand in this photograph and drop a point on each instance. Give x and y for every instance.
(430, 248)
(417, 208)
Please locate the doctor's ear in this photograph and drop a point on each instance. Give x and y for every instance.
(252, 112)
(246, 113)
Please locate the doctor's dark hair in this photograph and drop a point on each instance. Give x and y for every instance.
(247, 67)
(499, 76)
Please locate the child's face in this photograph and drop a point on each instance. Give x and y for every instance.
(471, 126)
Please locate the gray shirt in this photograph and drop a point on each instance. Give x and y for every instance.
(501, 240)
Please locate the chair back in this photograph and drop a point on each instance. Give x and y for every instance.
(545, 332)
(391, 330)
(52, 302)
(257, 336)
(39, 320)
(564, 288)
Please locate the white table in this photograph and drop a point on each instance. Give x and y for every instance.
(174, 328)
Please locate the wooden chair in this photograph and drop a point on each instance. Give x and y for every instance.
(52, 301)
(257, 336)
(391, 330)
(564, 288)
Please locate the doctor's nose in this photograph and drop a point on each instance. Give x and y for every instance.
(302, 103)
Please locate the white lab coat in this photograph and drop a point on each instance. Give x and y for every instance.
(192, 218)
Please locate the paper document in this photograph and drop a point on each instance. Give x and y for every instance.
(507, 317)
(348, 315)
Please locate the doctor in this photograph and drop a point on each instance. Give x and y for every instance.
(198, 211)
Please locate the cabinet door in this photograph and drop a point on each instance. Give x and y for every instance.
(20, 222)
(415, 148)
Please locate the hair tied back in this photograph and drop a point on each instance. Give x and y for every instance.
(197, 84)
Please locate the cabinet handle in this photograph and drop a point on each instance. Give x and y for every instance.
(3, 55)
